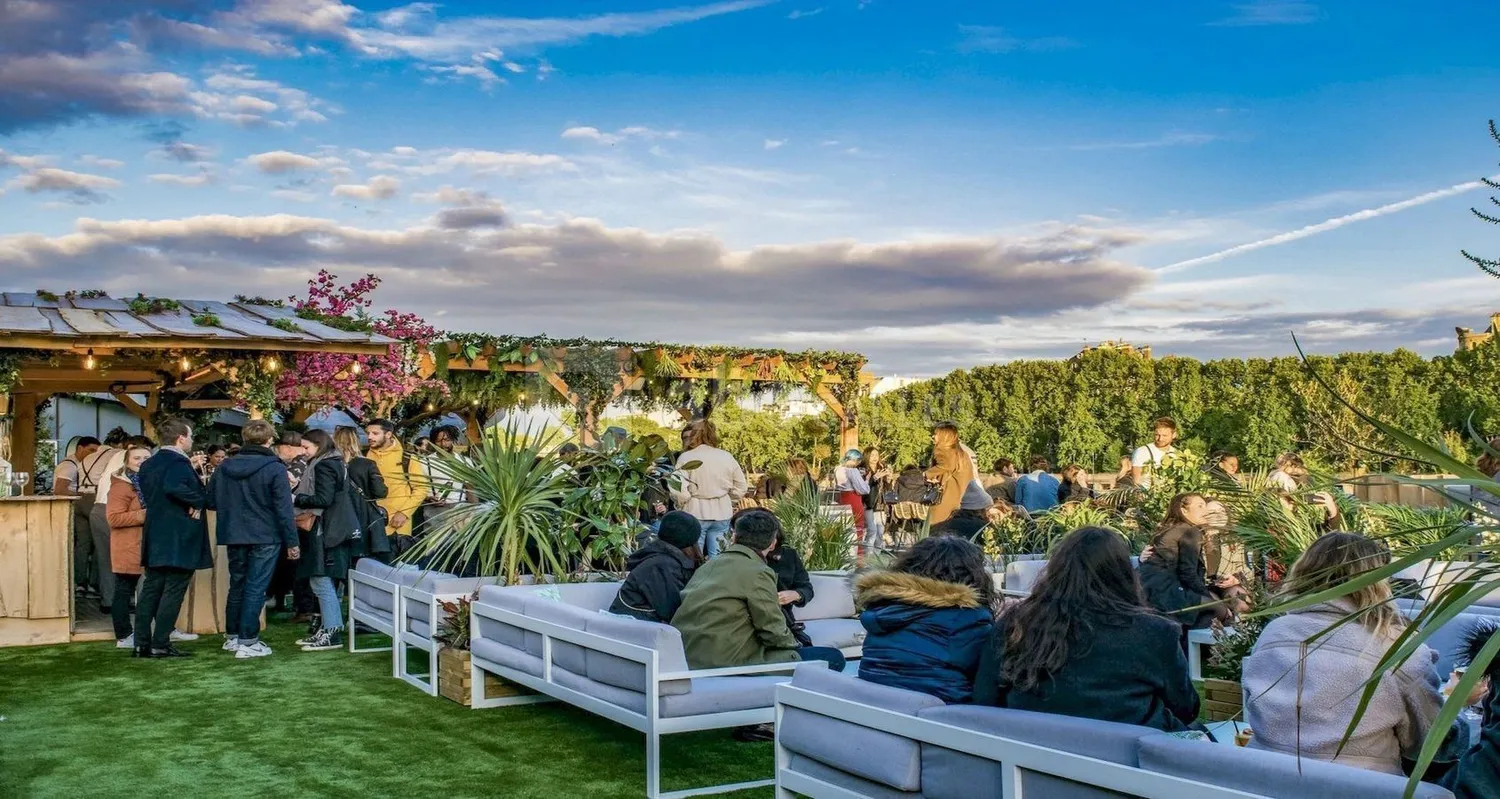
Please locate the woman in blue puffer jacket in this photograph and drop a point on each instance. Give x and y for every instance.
(927, 619)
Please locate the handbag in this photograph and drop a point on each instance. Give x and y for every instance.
(932, 494)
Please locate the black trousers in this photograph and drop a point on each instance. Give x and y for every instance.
(119, 611)
(160, 602)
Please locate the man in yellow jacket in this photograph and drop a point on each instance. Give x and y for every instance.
(405, 481)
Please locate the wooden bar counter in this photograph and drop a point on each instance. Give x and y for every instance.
(36, 570)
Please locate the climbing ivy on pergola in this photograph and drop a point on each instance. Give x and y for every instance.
(485, 373)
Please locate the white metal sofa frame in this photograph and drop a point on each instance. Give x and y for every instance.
(1015, 757)
(651, 723)
(357, 616)
(406, 637)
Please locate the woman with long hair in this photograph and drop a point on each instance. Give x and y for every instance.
(794, 588)
(366, 488)
(1289, 473)
(882, 481)
(799, 476)
(126, 513)
(953, 470)
(1304, 680)
(710, 490)
(321, 497)
(1085, 643)
(1174, 573)
(927, 619)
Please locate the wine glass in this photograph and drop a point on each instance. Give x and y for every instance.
(18, 482)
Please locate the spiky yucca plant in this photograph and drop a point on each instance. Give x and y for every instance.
(825, 540)
(516, 525)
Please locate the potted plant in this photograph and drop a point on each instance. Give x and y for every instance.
(454, 677)
(1223, 696)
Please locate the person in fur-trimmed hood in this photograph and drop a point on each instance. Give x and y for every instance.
(927, 619)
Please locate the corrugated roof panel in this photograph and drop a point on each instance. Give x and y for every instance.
(129, 325)
(232, 318)
(180, 323)
(18, 299)
(60, 326)
(23, 319)
(318, 330)
(89, 323)
(100, 304)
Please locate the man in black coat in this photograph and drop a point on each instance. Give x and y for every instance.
(252, 495)
(659, 570)
(174, 541)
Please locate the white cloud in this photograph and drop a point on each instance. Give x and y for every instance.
(79, 188)
(803, 14)
(486, 162)
(635, 132)
(991, 39)
(775, 144)
(102, 163)
(1174, 139)
(1270, 12)
(281, 162)
(203, 178)
(294, 195)
(380, 187)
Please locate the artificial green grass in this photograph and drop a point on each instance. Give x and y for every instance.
(89, 720)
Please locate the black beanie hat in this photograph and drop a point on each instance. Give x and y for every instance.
(679, 529)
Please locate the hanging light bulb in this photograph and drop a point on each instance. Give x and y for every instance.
(185, 363)
(272, 364)
(475, 403)
(522, 396)
(356, 368)
(88, 360)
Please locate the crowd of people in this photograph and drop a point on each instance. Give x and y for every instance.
(294, 510)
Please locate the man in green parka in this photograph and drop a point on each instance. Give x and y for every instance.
(730, 614)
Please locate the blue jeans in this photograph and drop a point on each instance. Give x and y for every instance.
(708, 542)
(328, 603)
(830, 655)
(250, 570)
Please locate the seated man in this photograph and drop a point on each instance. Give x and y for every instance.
(660, 570)
(730, 614)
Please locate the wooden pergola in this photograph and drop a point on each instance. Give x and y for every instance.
(828, 374)
(189, 355)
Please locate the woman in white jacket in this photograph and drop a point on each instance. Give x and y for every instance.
(712, 484)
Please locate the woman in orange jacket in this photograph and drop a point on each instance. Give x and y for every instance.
(127, 516)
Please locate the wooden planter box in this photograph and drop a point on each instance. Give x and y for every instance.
(455, 679)
(1223, 700)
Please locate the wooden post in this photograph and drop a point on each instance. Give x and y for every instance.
(23, 437)
(848, 433)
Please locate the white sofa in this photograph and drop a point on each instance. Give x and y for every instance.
(375, 601)
(829, 619)
(421, 615)
(558, 641)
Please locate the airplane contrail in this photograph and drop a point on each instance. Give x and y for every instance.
(1336, 222)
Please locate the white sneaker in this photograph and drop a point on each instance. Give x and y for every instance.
(255, 650)
(231, 644)
(128, 642)
(178, 635)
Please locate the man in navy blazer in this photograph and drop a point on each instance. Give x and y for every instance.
(174, 541)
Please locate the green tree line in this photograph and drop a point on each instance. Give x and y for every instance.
(1095, 408)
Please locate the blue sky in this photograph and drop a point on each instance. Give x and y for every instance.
(937, 184)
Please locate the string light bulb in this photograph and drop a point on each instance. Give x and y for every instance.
(185, 363)
(475, 403)
(89, 362)
(431, 407)
(356, 368)
(272, 364)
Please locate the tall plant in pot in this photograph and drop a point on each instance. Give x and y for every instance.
(825, 540)
(517, 524)
(612, 484)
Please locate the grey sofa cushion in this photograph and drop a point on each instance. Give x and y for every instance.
(837, 633)
(486, 651)
(420, 628)
(881, 757)
(371, 614)
(948, 774)
(428, 581)
(1021, 575)
(712, 695)
(1448, 639)
(628, 674)
(567, 655)
(1271, 773)
(832, 599)
(373, 568)
(828, 774)
(512, 599)
(589, 596)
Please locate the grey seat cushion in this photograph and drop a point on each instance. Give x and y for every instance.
(488, 651)
(837, 633)
(832, 599)
(881, 757)
(828, 774)
(948, 774)
(589, 596)
(711, 695)
(512, 599)
(419, 628)
(373, 568)
(1271, 773)
(370, 614)
(628, 674)
(376, 597)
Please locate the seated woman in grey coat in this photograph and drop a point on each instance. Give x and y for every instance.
(1300, 697)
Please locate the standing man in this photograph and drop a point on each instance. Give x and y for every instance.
(71, 480)
(1002, 486)
(174, 542)
(253, 497)
(405, 482)
(1150, 457)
